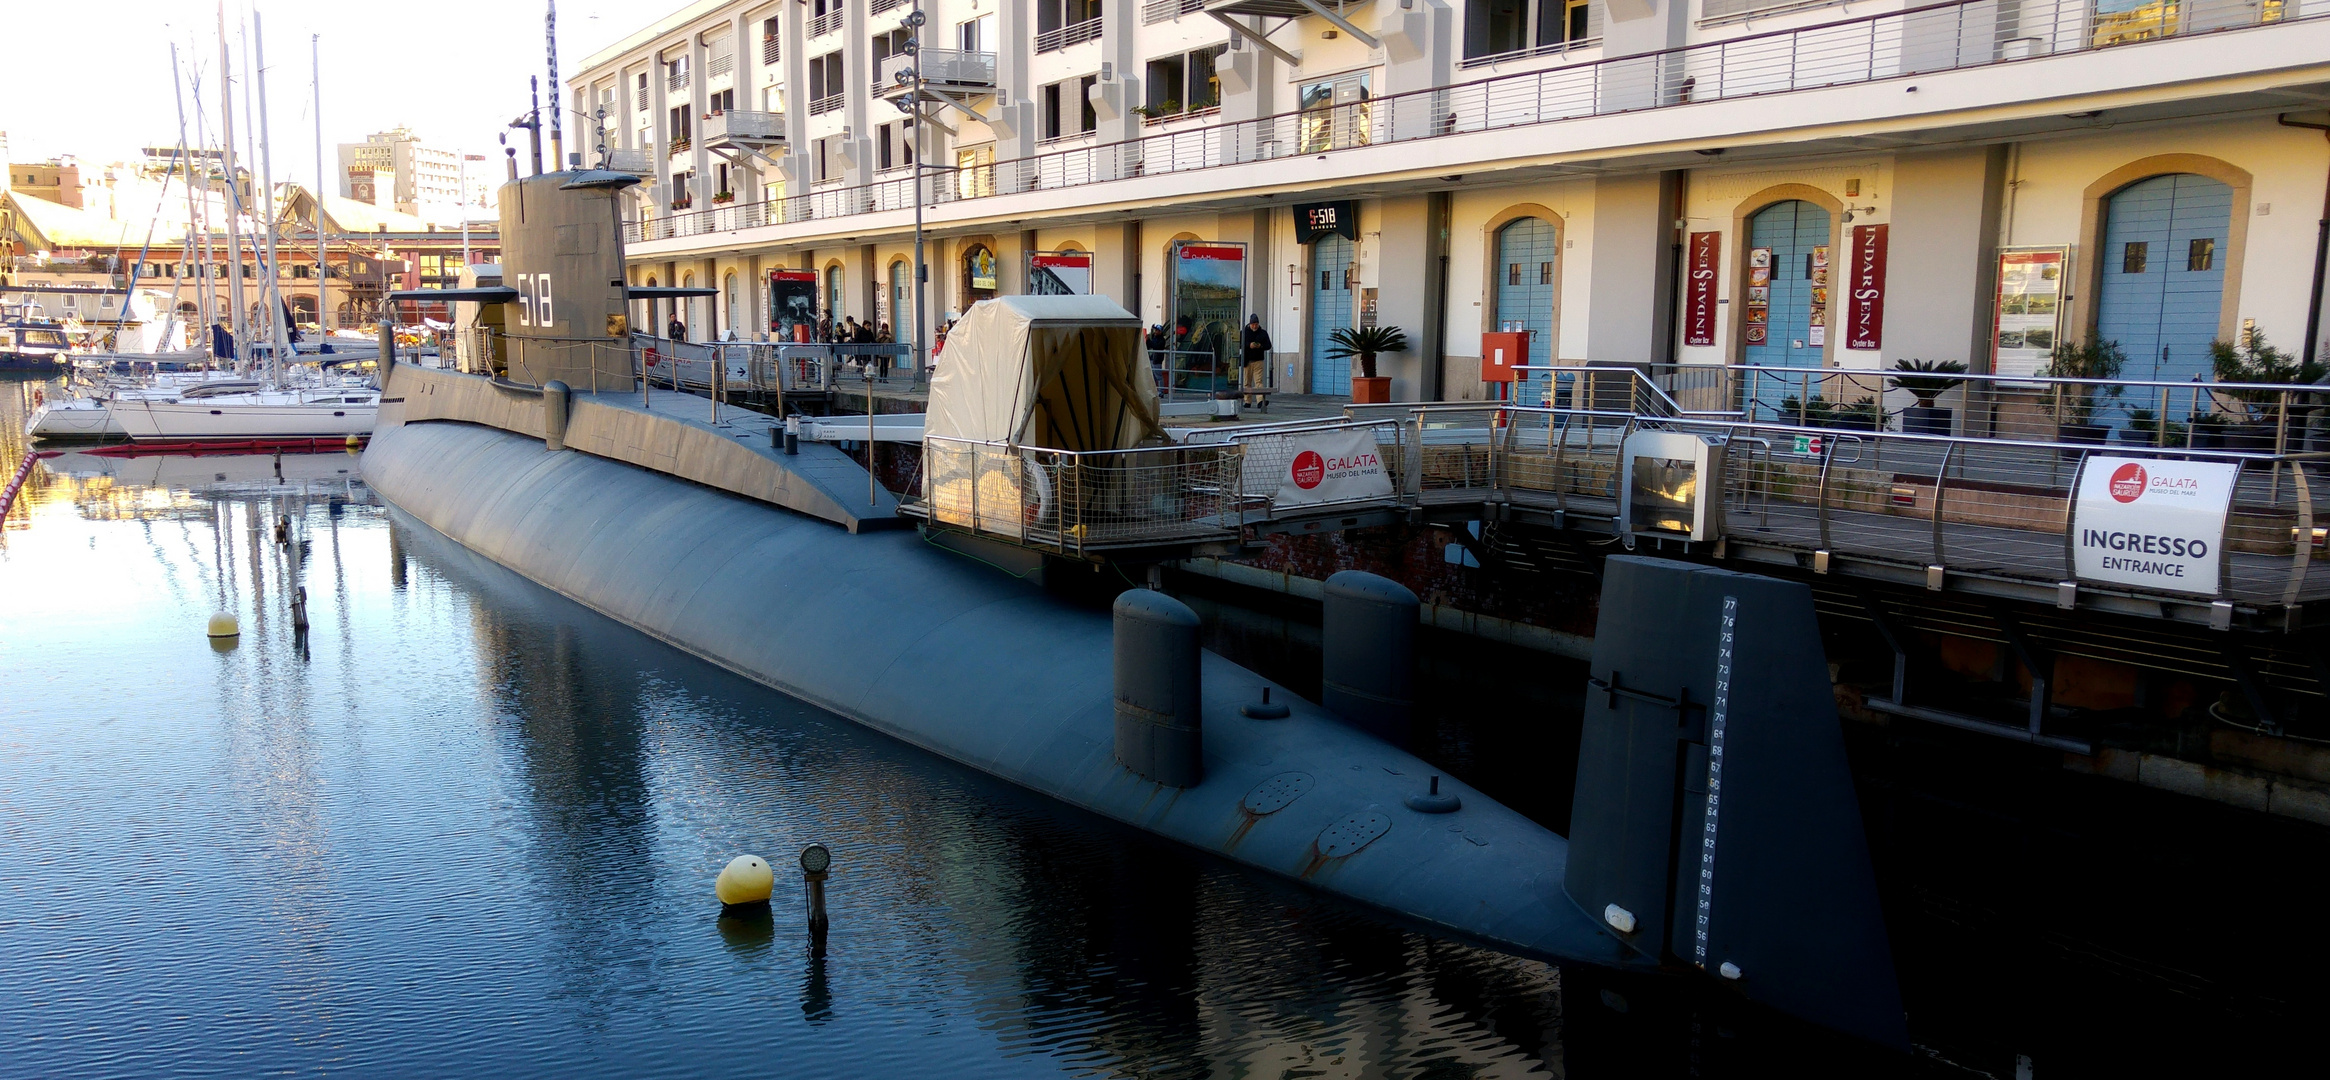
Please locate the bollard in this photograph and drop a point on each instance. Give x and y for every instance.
(556, 400)
(1159, 714)
(815, 860)
(1368, 653)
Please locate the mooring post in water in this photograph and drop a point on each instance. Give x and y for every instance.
(1159, 713)
(814, 862)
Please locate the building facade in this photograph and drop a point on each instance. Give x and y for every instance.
(395, 170)
(1772, 182)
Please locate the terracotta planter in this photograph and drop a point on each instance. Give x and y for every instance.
(1371, 391)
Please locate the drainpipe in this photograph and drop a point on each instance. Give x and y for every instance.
(1677, 226)
(2321, 251)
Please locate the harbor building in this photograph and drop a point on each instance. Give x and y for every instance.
(1638, 181)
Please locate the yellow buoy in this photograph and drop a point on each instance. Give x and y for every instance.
(746, 879)
(223, 625)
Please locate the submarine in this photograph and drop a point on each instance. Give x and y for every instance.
(1715, 833)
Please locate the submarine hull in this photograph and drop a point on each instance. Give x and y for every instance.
(961, 660)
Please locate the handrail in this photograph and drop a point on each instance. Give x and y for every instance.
(1865, 48)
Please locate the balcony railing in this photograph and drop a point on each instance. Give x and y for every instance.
(1071, 34)
(676, 81)
(1934, 38)
(743, 126)
(826, 104)
(679, 146)
(638, 162)
(645, 99)
(770, 53)
(949, 67)
(881, 6)
(722, 64)
(1157, 11)
(826, 23)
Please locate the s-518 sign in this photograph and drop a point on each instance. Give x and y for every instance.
(2151, 523)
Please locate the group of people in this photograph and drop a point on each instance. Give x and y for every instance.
(849, 332)
(1254, 347)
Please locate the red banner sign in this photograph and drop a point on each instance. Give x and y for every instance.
(1699, 288)
(1865, 280)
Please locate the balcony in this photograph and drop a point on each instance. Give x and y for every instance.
(1157, 11)
(637, 162)
(738, 129)
(826, 104)
(680, 146)
(769, 52)
(942, 69)
(722, 64)
(1071, 34)
(826, 23)
(676, 81)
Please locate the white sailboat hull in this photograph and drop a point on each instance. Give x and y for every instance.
(73, 418)
(148, 421)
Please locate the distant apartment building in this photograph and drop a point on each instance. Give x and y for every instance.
(395, 171)
(1772, 182)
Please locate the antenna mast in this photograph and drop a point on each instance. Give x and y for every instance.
(557, 134)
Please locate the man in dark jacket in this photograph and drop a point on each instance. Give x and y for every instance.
(677, 331)
(1254, 351)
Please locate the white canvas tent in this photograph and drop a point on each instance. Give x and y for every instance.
(1058, 372)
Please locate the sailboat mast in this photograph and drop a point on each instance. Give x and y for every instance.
(323, 274)
(201, 288)
(226, 87)
(276, 308)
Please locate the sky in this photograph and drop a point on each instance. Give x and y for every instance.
(453, 70)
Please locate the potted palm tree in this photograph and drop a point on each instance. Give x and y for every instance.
(2073, 406)
(1927, 380)
(1364, 342)
(2255, 361)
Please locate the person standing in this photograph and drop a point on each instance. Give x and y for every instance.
(678, 330)
(1254, 350)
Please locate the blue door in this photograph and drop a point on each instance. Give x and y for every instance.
(1526, 250)
(1790, 232)
(1330, 311)
(2164, 273)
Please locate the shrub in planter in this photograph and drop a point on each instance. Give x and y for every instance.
(1862, 415)
(2148, 431)
(2260, 410)
(1814, 413)
(1366, 341)
(1927, 380)
(2073, 406)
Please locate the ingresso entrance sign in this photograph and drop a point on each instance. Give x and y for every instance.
(2152, 523)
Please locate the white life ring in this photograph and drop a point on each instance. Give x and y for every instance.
(1039, 485)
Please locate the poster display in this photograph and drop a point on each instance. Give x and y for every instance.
(1758, 313)
(1865, 319)
(2151, 522)
(1207, 291)
(793, 305)
(1818, 335)
(1329, 468)
(1699, 288)
(1059, 273)
(2030, 308)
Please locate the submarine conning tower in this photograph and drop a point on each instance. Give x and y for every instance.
(562, 269)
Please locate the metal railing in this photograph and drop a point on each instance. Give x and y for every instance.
(828, 103)
(744, 124)
(722, 64)
(827, 23)
(2144, 413)
(1072, 34)
(1157, 11)
(949, 67)
(768, 368)
(1075, 502)
(1930, 38)
(676, 81)
(881, 6)
(636, 161)
(1563, 48)
(771, 51)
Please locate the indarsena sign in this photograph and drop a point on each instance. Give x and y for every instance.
(2151, 523)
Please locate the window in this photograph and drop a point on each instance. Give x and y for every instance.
(889, 45)
(1184, 83)
(682, 125)
(2134, 256)
(1054, 14)
(720, 178)
(1496, 27)
(715, 104)
(1336, 113)
(772, 99)
(977, 35)
(894, 145)
(1067, 107)
(826, 84)
(975, 171)
(2201, 254)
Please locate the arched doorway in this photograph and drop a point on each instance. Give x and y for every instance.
(901, 314)
(1330, 311)
(687, 308)
(833, 292)
(1526, 252)
(1784, 319)
(728, 291)
(2163, 273)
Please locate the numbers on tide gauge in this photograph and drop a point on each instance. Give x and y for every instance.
(534, 300)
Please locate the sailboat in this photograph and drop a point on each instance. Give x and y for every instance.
(278, 408)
